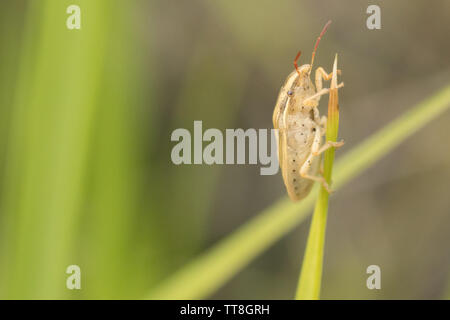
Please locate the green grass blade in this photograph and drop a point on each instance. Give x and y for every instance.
(51, 120)
(49, 138)
(311, 273)
(212, 269)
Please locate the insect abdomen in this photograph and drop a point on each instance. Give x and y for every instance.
(297, 186)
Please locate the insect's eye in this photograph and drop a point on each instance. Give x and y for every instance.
(290, 93)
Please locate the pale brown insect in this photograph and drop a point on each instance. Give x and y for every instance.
(300, 127)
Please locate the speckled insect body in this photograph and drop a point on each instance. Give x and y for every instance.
(300, 128)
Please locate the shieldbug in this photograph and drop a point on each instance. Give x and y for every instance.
(300, 127)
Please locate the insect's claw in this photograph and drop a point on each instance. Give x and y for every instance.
(339, 144)
(324, 183)
(327, 187)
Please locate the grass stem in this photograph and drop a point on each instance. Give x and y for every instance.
(311, 272)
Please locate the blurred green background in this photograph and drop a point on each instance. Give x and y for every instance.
(85, 123)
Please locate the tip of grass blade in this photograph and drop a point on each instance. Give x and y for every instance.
(334, 78)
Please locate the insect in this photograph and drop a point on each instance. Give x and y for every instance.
(300, 127)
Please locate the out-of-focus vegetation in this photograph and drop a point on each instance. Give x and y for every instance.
(85, 123)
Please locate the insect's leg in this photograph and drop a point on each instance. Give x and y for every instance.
(328, 145)
(304, 172)
(323, 125)
(314, 99)
(322, 75)
(316, 115)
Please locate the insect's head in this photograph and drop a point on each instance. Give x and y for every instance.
(298, 80)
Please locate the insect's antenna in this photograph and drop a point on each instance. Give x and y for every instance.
(317, 43)
(295, 62)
